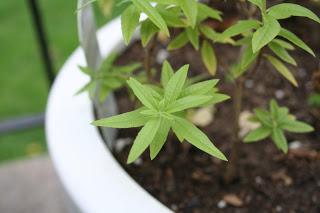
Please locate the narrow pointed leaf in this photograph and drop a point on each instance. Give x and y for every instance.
(297, 127)
(258, 134)
(266, 33)
(218, 98)
(280, 140)
(241, 27)
(187, 103)
(143, 140)
(145, 7)
(129, 22)
(286, 10)
(196, 137)
(193, 36)
(209, 58)
(283, 44)
(143, 93)
(166, 73)
(263, 116)
(282, 53)
(88, 87)
(259, 3)
(190, 9)
(205, 11)
(172, 17)
(175, 85)
(178, 42)
(201, 88)
(125, 120)
(160, 138)
(282, 69)
(147, 31)
(295, 40)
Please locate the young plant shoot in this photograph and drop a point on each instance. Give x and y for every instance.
(273, 124)
(163, 108)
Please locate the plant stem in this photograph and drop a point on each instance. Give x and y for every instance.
(231, 170)
(149, 58)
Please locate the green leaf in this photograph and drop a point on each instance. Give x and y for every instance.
(274, 109)
(283, 44)
(175, 85)
(209, 33)
(282, 69)
(205, 11)
(264, 117)
(152, 13)
(190, 9)
(258, 134)
(282, 53)
(147, 31)
(260, 3)
(125, 120)
(295, 40)
(241, 27)
(108, 62)
(87, 70)
(143, 93)
(201, 88)
(178, 42)
(166, 73)
(193, 36)
(187, 103)
(196, 137)
(172, 16)
(297, 127)
(143, 139)
(126, 69)
(279, 139)
(88, 87)
(160, 138)
(286, 10)
(217, 98)
(266, 33)
(129, 22)
(209, 57)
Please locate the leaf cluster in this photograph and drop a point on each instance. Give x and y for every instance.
(274, 123)
(269, 33)
(187, 15)
(164, 108)
(108, 78)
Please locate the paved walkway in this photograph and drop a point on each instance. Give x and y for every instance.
(30, 186)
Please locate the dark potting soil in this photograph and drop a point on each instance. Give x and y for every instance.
(188, 180)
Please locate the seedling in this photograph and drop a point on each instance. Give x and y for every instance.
(274, 123)
(163, 108)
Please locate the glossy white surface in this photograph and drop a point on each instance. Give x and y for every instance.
(94, 180)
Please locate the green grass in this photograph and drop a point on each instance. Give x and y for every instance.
(24, 88)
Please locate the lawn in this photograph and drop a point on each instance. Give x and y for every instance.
(24, 88)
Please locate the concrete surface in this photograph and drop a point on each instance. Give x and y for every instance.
(30, 186)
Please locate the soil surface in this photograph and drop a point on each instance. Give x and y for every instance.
(188, 180)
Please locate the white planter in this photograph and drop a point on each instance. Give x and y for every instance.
(91, 176)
